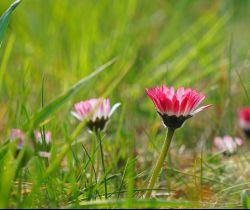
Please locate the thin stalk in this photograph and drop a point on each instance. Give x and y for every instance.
(20, 186)
(160, 161)
(103, 164)
(93, 158)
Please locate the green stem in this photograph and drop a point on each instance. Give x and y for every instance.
(103, 164)
(160, 162)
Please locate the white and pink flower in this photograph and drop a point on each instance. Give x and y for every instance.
(39, 137)
(96, 110)
(17, 134)
(227, 144)
(176, 107)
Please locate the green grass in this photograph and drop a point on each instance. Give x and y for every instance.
(57, 52)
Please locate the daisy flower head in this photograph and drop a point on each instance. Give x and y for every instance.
(175, 107)
(97, 111)
(17, 134)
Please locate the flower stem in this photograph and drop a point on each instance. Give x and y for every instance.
(160, 162)
(103, 164)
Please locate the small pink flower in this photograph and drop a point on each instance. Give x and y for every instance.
(176, 107)
(98, 109)
(44, 154)
(244, 118)
(19, 135)
(227, 144)
(16, 134)
(39, 137)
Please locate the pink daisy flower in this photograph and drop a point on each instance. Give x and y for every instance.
(17, 134)
(227, 144)
(244, 120)
(98, 111)
(39, 137)
(176, 107)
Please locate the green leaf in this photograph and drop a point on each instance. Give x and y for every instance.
(53, 106)
(4, 19)
(7, 175)
(245, 199)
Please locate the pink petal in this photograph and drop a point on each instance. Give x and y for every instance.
(180, 91)
(197, 102)
(184, 102)
(183, 105)
(175, 106)
(152, 93)
(97, 107)
(165, 103)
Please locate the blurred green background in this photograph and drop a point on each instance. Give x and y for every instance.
(202, 44)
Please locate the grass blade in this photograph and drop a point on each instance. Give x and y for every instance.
(58, 102)
(4, 19)
(245, 199)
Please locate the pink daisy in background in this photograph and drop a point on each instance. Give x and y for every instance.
(39, 138)
(227, 144)
(97, 110)
(176, 107)
(244, 120)
(17, 134)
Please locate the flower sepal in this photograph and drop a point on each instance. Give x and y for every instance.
(173, 121)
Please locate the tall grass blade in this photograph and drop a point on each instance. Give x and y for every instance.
(4, 19)
(58, 102)
(245, 199)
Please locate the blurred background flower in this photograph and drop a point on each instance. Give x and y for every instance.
(244, 120)
(227, 144)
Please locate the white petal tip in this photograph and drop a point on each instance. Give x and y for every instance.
(200, 109)
(114, 108)
(76, 115)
